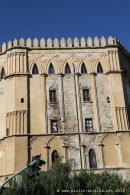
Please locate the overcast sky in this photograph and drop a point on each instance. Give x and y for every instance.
(65, 18)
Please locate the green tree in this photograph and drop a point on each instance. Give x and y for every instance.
(60, 177)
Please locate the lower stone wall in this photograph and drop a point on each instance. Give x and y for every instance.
(124, 173)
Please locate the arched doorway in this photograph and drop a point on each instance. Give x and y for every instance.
(54, 155)
(92, 159)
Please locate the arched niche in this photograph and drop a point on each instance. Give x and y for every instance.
(51, 69)
(99, 68)
(35, 69)
(110, 152)
(37, 149)
(67, 69)
(83, 69)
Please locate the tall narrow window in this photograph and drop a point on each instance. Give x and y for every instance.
(35, 69)
(88, 124)
(3, 74)
(51, 69)
(67, 69)
(92, 159)
(83, 68)
(53, 96)
(54, 128)
(54, 155)
(99, 68)
(86, 95)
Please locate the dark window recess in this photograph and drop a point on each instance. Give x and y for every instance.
(7, 131)
(3, 74)
(53, 96)
(92, 159)
(22, 100)
(108, 100)
(35, 69)
(86, 95)
(99, 68)
(54, 155)
(51, 69)
(83, 68)
(67, 69)
(125, 73)
(54, 128)
(88, 125)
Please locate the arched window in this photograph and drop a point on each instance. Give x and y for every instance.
(99, 68)
(54, 155)
(83, 68)
(3, 74)
(51, 69)
(35, 69)
(92, 159)
(67, 69)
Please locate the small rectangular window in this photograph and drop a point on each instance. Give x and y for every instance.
(86, 95)
(88, 125)
(53, 96)
(54, 127)
(22, 100)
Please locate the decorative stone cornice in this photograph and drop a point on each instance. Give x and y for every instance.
(114, 71)
(44, 74)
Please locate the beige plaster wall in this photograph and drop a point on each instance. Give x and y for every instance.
(36, 105)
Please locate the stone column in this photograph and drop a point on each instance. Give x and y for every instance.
(61, 97)
(100, 156)
(46, 156)
(95, 103)
(83, 155)
(44, 75)
(65, 153)
(78, 101)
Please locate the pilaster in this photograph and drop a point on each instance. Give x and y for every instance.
(78, 101)
(83, 156)
(100, 156)
(95, 102)
(61, 97)
(44, 91)
(65, 153)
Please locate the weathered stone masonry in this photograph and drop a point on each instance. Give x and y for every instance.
(98, 67)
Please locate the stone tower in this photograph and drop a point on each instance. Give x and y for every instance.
(65, 98)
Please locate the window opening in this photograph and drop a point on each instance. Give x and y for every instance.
(54, 155)
(92, 159)
(88, 125)
(54, 128)
(86, 95)
(53, 96)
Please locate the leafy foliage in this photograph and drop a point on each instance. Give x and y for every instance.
(60, 180)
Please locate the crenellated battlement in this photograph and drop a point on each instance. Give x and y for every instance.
(62, 43)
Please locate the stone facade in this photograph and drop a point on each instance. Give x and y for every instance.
(96, 67)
